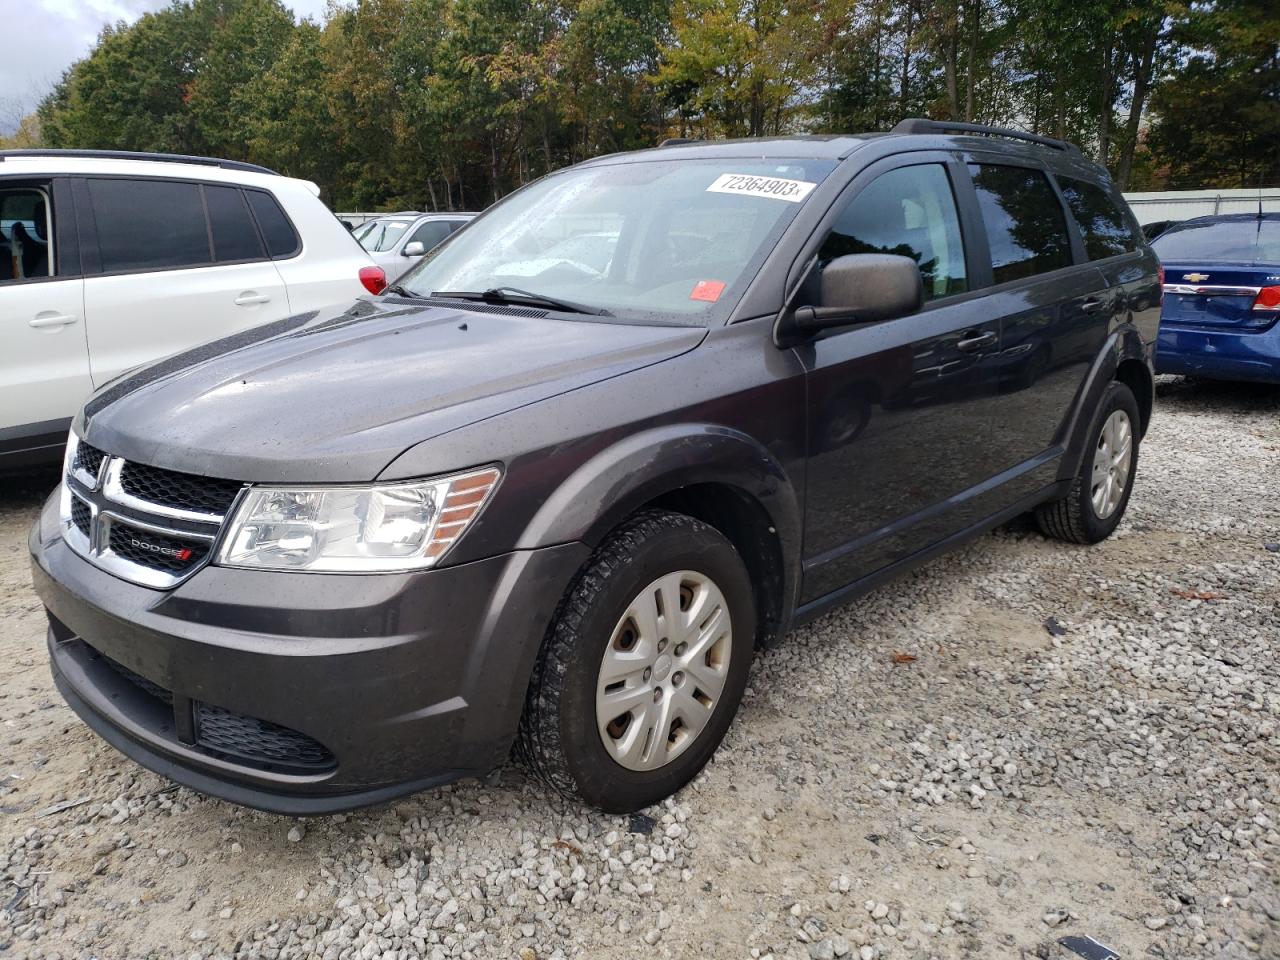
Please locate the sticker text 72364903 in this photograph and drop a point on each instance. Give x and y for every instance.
(773, 188)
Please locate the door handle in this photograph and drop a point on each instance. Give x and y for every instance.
(1093, 304)
(249, 299)
(43, 321)
(976, 340)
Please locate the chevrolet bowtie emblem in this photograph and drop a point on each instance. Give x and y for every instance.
(1195, 277)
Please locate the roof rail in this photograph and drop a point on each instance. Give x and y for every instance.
(677, 141)
(138, 155)
(921, 125)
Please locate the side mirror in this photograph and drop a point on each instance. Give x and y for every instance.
(863, 288)
(414, 249)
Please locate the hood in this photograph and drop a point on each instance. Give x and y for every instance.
(336, 397)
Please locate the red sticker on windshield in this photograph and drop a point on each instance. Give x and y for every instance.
(708, 290)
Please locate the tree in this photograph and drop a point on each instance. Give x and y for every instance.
(454, 103)
(245, 38)
(25, 135)
(287, 121)
(738, 68)
(130, 92)
(1217, 117)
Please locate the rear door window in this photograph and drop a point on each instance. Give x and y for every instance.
(911, 212)
(1103, 225)
(1025, 225)
(282, 240)
(149, 224)
(235, 237)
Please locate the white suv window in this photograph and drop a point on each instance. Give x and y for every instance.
(25, 229)
(149, 224)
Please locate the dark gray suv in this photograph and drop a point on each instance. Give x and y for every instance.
(549, 492)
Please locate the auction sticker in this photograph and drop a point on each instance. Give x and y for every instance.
(772, 188)
(708, 290)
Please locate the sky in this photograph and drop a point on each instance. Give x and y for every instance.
(53, 34)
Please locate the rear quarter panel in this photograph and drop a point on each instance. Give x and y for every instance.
(327, 270)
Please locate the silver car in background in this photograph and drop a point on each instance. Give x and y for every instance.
(396, 241)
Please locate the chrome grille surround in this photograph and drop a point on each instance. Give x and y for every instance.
(113, 510)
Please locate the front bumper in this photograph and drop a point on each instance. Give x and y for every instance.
(302, 693)
(1219, 355)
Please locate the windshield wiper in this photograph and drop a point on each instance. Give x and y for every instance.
(514, 295)
(400, 291)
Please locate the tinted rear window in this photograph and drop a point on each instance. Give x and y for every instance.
(1103, 225)
(1025, 225)
(1248, 240)
(149, 224)
(234, 235)
(281, 239)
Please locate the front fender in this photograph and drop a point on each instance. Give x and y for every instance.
(641, 467)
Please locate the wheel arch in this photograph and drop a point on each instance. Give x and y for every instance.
(718, 475)
(1124, 358)
(744, 522)
(1135, 375)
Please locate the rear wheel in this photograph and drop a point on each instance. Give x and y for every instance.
(644, 665)
(1100, 491)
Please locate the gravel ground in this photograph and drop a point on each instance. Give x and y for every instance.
(932, 772)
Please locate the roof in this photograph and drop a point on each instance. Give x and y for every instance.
(923, 135)
(40, 152)
(412, 215)
(42, 163)
(834, 146)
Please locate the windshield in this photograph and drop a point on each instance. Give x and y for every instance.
(383, 234)
(1247, 240)
(648, 241)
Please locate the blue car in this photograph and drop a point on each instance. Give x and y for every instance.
(1221, 316)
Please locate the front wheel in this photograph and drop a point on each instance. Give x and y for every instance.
(644, 666)
(1100, 491)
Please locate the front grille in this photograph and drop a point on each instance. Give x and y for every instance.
(155, 550)
(182, 491)
(80, 515)
(88, 459)
(145, 524)
(257, 741)
(241, 739)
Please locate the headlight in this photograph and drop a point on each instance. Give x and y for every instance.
(354, 529)
(64, 489)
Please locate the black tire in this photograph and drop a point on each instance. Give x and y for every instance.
(559, 740)
(1073, 518)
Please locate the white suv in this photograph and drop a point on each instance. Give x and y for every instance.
(110, 260)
